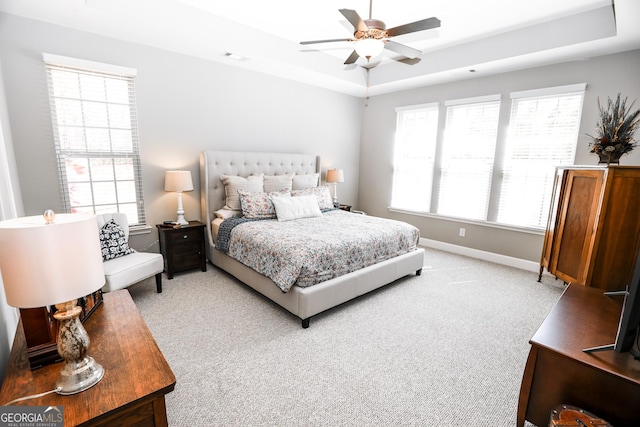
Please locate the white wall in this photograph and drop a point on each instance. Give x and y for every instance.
(10, 207)
(605, 77)
(185, 105)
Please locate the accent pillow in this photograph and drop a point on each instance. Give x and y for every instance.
(278, 182)
(321, 193)
(113, 241)
(300, 182)
(227, 213)
(290, 208)
(234, 183)
(259, 205)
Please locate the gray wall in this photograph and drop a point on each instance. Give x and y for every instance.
(605, 77)
(185, 105)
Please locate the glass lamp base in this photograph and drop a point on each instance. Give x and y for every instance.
(77, 377)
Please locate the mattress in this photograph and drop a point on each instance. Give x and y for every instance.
(307, 251)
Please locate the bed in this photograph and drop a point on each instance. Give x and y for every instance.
(304, 300)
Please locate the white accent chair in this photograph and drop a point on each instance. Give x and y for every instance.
(132, 268)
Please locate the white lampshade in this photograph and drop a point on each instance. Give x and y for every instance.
(335, 175)
(178, 181)
(45, 264)
(369, 48)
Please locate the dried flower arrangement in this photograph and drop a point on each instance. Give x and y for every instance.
(614, 131)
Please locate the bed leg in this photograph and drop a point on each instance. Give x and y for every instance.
(305, 322)
(418, 272)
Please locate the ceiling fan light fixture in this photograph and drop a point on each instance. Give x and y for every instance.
(369, 48)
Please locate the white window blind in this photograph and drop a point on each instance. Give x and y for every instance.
(542, 134)
(467, 157)
(413, 157)
(96, 137)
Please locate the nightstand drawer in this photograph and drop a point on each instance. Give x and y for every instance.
(186, 261)
(183, 248)
(186, 240)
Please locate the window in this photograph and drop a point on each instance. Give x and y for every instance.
(467, 157)
(96, 137)
(542, 135)
(474, 172)
(414, 156)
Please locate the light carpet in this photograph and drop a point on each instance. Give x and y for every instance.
(447, 348)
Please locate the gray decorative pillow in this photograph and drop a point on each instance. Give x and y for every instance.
(113, 241)
(233, 183)
(300, 182)
(278, 183)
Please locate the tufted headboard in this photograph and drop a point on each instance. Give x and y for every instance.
(216, 163)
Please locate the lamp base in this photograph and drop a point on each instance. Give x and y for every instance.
(180, 212)
(80, 371)
(181, 220)
(79, 376)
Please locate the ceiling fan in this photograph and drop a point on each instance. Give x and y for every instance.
(372, 36)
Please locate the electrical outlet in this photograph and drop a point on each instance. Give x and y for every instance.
(462, 232)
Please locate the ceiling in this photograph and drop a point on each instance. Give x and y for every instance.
(476, 37)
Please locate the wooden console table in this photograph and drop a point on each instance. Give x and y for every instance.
(137, 376)
(559, 372)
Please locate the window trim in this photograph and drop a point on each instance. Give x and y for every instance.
(473, 100)
(549, 91)
(80, 66)
(91, 66)
(503, 123)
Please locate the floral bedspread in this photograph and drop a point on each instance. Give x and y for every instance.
(308, 251)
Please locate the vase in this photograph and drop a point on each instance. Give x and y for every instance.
(609, 158)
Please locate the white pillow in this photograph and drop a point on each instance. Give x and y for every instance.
(289, 208)
(300, 182)
(278, 182)
(321, 193)
(234, 183)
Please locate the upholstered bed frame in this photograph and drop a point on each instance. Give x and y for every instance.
(302, 302)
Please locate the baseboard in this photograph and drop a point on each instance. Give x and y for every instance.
(520, 263)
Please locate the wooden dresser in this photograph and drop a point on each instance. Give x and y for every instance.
(558, 372)
(136, 379)
(593, 232)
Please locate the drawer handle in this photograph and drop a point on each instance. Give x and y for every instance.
(185, 236)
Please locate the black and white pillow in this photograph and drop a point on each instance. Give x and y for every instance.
(113, 241)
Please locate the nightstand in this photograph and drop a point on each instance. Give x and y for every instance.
(345, 207)
(182, 248)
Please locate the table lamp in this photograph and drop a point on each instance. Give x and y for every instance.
(178, 181)
(335, 176)
(54, 260)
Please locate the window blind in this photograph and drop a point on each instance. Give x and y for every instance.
(414, 152)
(542, 134)
(96, 137)
(467, 158)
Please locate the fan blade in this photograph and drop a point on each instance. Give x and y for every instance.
(352, 58)
(409, 61)
(402, 49)
(355, 20)
(325, 41)
(425, 24)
